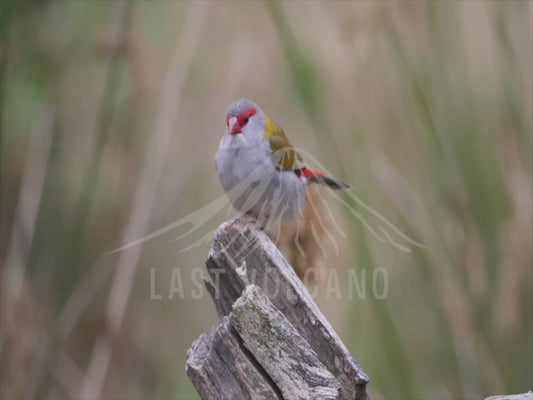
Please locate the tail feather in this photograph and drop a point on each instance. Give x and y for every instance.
(322, 179)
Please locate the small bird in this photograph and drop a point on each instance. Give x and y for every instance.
(260, 171)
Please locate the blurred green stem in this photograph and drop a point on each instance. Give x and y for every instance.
(5, 19)
(395, 356)
(89, 180)
(305, 78)
(73, 254)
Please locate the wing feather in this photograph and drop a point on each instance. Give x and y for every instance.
(284, 156)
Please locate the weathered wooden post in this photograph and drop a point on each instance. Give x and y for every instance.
(270, 340)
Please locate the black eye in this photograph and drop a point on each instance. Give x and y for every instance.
(246, 120)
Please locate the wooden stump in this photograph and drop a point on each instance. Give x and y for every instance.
(521, 396)
(270, 340)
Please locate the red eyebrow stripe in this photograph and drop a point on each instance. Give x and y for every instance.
(246, 114)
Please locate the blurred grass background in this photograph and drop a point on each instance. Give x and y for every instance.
(110, 116)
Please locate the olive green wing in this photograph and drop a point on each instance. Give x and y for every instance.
(284, 156)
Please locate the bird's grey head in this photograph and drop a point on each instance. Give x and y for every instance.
(244, 116)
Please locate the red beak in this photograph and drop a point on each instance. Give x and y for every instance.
(234, 126)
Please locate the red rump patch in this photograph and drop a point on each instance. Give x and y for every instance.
(308, 172)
